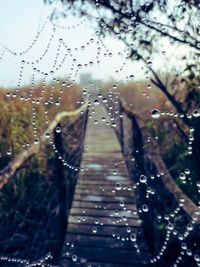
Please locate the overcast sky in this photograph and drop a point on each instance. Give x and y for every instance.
(21, 19)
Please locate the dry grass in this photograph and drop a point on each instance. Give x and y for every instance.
(16, 114)
(141, 97)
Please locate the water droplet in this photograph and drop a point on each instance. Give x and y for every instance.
(145, 208)
(189, 227)
(196, 113)
(197, 258)
(96, 102)
(143, 178)
(133, 237)
(94, 230)
(118, 186)
(58, 129)
(74, 258)
(9, 152)
(36, 141)
(187, 171)
(128, 229)
(121, 204)
(189, 252)
(155, 113)
(57, 103)
(47, 135)
(182, 176)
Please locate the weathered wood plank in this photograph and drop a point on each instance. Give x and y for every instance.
(103, 220)
(105, 193)
(105, 186)
(103, 242)
(102, 230)
(81, 262)
(97, 205)
(108, 213)
(109, 255)
(101, 182)
(102, 198)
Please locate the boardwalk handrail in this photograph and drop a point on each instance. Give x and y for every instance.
(7, 172)
(154, 155)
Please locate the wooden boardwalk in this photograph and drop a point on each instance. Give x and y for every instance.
(104, 229)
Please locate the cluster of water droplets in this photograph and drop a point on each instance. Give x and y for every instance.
(27, 263)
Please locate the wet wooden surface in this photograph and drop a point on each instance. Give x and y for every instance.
(103, 221)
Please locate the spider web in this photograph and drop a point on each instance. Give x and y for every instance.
(32, 214)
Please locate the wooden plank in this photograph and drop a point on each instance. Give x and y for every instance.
(106, 213)
(97, 205)
(103, 242)
(103, 220)
(104, 190)
(119, 237)
(103, 194)
(101, 198)
(105, 177)
(109, 255)
(101, 182)
(105, 186)
(67, 262)
(102, 230)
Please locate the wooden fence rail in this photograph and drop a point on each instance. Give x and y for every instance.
(7, 173)
(152, 153)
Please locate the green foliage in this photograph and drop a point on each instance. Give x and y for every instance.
(149, 125)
